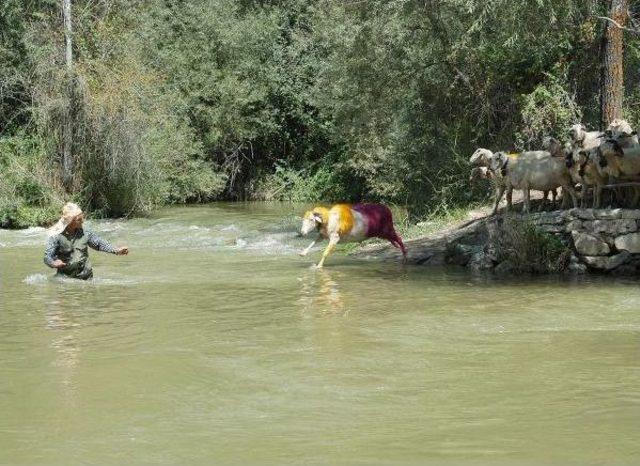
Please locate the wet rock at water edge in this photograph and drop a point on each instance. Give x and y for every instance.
(481, 261)
(504, 268)
(461, 254)
(606, 263)
(589, 245)
(577, 268)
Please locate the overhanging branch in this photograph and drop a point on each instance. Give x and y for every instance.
(618, 25)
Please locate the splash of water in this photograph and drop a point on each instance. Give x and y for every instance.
(36, 279)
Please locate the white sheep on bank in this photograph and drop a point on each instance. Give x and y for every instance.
(584, 169)
(592, 159)
(537, 170)
(621, 131)
(580, 138)
(619, 161)
(483, 173)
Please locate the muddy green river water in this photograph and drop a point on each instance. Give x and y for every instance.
(213, 342)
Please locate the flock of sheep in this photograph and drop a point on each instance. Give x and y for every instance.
(590, 160)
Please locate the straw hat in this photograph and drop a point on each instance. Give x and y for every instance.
(69, 212)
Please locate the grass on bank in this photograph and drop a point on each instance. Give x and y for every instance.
(527, 249)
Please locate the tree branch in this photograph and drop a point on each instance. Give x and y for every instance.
(618, 25)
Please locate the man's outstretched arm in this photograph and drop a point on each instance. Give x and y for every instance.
(99, 244)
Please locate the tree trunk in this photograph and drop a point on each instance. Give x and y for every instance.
(612, 86)
(67, 155)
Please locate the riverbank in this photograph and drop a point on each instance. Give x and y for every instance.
(573, 241)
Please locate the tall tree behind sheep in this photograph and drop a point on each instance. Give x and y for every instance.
(612, 91)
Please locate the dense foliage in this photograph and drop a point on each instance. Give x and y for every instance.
(524, 248)
(193, 100)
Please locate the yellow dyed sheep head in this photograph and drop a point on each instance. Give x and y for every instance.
(313, 220)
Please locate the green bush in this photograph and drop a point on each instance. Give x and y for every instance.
(304, 185)
(28, 194)
(528, 249)
(294, 99)
(547, 111)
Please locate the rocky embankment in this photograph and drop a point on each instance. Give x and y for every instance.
(599, 240)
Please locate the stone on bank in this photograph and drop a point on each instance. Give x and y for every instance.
(589, 241)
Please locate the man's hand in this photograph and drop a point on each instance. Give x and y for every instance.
(58, 264)
(122, 251)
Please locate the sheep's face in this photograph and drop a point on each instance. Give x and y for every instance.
(582, 157)
(620, 131)
(619, 128)
(497, 161)
(479, 173)
(310, 222)
(480, 157)
(577, 132)
(569, 159)
(611, 147)
(602, 160)
(607, 153)
(553, 146)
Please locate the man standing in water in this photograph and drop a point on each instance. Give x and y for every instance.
(66, 248)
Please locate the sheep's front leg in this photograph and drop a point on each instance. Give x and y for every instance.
(499, 194)
(527, 199)
(543, 204)
(333, 240)
(636, 197)
(509, 198)
(572, 192)
(597, 196)
(313, 243)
